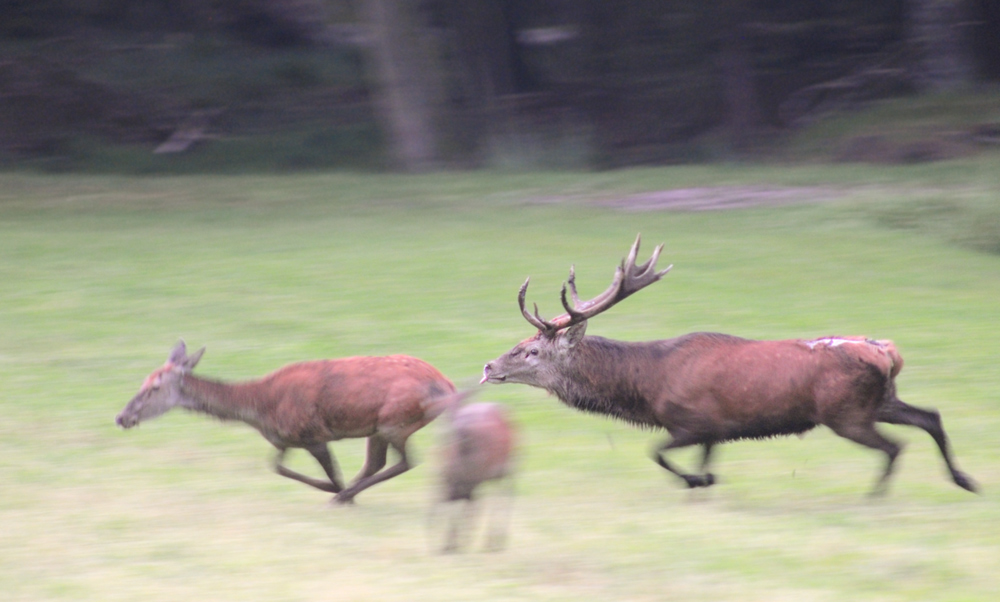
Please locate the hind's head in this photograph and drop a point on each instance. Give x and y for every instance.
(161, 390)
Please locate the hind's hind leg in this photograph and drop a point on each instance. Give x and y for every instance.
(898, 412)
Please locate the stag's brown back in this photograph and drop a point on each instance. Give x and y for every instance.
(727, 387)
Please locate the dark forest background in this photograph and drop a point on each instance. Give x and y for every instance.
(424, 84)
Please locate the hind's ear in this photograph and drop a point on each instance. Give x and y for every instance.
(191, 361)
(178, 354)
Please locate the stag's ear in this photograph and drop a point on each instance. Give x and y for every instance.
(179, 353)
(569, 337)
(191, 361)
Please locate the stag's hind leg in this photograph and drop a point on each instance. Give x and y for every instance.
(865, 434)
(683, 440)
(898, 412)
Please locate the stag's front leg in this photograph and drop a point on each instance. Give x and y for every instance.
(705, 458)
(684, 439)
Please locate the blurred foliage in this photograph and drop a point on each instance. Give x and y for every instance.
(972, 223)
(549, 83)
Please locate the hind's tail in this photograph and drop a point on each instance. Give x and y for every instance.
(437, 405)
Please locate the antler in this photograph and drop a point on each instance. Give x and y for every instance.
(628, 279)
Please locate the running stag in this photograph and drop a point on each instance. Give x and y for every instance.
(709, 388)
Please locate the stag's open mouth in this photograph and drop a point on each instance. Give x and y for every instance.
(487, 377)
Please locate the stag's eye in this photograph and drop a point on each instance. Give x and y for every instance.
(534, 351)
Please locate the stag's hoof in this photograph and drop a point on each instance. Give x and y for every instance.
(879, 491)
(694, 480)
(965, 482)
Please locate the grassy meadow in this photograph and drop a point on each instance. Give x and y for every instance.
(100, 275)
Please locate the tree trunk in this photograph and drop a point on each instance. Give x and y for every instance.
(739, 89)
(407, 81)
(488, 66)
(938, 33)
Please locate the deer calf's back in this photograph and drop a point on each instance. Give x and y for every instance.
(479, 448)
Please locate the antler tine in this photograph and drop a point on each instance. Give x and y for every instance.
(629, 262)
(609, 293)
(642, 269)
(571, 281)
(535, 320)
(574, 316)
(645, 274)
(628, 279)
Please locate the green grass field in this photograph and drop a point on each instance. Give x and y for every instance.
(101, 275)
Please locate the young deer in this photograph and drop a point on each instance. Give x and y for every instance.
(708, 388)
(478, 447)
(308, 404)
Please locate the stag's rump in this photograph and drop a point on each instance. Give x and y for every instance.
(733, 388)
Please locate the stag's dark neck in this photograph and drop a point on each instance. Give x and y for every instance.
(611, 377)
(226, 401)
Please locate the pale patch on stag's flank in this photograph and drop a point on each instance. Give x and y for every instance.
(838, 341)
(881, 352)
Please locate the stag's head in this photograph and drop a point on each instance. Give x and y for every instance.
(161, 390)
(541, 360)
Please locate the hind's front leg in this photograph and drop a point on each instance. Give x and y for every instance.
(279, 468)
